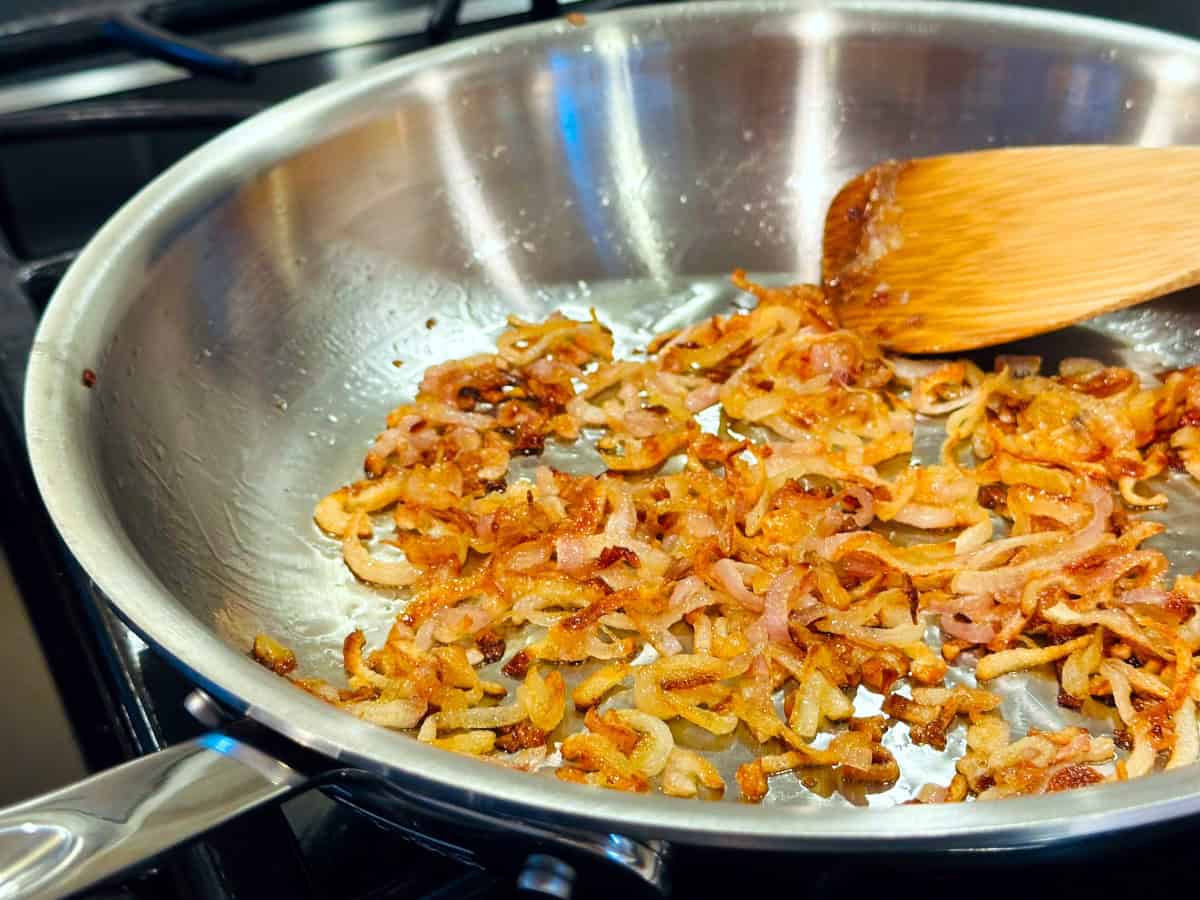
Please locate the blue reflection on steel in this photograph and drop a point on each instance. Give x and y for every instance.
(570, 104)
(219, 743)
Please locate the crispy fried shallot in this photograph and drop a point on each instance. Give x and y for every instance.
(748, 585)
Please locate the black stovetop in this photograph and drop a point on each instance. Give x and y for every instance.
(121, 699)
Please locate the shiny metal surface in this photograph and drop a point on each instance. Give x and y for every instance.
(501, 843)
(548, 877)
(243, 312)
(66, 841)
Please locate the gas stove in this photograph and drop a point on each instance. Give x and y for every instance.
(96, 98)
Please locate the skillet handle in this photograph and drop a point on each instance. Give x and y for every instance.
(67, 840)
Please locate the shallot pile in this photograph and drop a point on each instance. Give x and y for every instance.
(754, 576)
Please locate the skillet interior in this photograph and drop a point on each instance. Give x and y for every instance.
(243, 313)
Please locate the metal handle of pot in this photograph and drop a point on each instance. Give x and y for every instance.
(62, 842)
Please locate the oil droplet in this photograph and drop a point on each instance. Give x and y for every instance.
(683, 199)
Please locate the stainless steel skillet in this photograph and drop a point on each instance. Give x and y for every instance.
(242, 314)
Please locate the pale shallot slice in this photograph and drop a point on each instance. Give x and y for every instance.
(481, 717)
(948, 406)
(909, 371)
(971, 632)
(649, 757)
(972, 538)
(456, 621)
(685, 770)
(1141, 760)
(399, 714)
(689, 594)
(423, 639)
(527, 760)
(775, 605)
(896, 636)
(528, 556)
(855, 756)
(703, 397)
(932, 793)
(572, 554)
(1143, 596)
(730, 579)
(1074, 366)
(389, 574)
(985, 557)
(547, 493)
(665, 643)
(606, 650)
(865, 501)
(926, 517)
(684, 590)
(443, 415)
(586, 413)
(973, 606)
(622, 520)
(642, 423)
(1013, 576)
(697, 524)
(396, 441)
(1006, 661)
(1120, 565)
(1187, 741)
(1019, 366)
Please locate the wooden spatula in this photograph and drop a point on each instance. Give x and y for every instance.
(962, 251)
